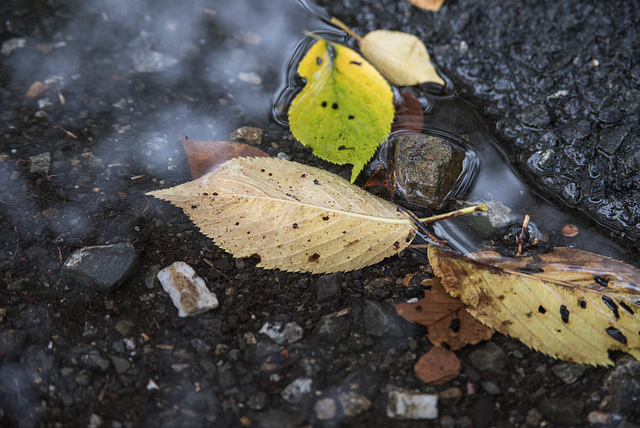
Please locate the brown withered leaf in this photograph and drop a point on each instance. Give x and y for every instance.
(409, 114)
(384, 176)
(569, 304)
(205, 156)
(447, 320)
(438, 366)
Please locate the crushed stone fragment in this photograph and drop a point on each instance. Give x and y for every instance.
(407, 405)
(282, 335)
(187, 290)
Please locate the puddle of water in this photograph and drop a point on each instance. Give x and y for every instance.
(496, 182)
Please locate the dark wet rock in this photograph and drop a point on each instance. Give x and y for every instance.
(568, 372)
(430, 169)
(483, 411)
(325, 409)
(610, 139)
(120, 364)
(328, 286)
(258, 401)
(37, 321)
(535, 116)
(12, 342)
(103, 267)
(565, 410)
(489, 358)
(332, 329)
(624, 383)
(381, 319)
(89, 357)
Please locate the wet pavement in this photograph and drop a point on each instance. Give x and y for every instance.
(121, 82)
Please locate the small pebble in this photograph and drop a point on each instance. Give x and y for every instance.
(296, 390)
(187, 290)
(353, 404)
(450, 396)
(407, 405)
(104, 267)
(570, 230)
(325, 409)
(290, 333)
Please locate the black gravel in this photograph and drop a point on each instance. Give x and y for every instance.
(126, 80)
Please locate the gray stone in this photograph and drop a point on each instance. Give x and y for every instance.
(148, 61)
(490, 358)
(534, 417)
(491, 387)
(576, 130)
(624, 383)
(103, 267)
(381, 319)
(279, 419)
(407, 405)
(11, 344)
(429, 169)
(258, 401)
(568, 372)
(332, 329)
(566, 411)
(610, 139)
(40, 164)
(328, 286)
(120, 364)
(325, 409)
(353, 404)
(282, 334)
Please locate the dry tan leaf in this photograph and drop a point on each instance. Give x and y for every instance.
(402, 58)
(569, 304)
(438, 366)
(432, 5)
(205, 156)
(447, 320)
(294, 217)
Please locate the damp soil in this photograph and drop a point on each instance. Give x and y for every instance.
(126, 80)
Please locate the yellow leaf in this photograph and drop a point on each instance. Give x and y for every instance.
(345, 109)
(569, 304)
(432, 5)
(402, 58)
(292, 216)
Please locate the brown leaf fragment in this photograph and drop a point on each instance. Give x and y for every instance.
(409, 114)
(205, 156)
(447, 320)
(36, 89)
(570, 304)
(438, 366)
(383, 176)
(432, 5)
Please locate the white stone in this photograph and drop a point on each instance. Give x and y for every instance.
(286, 335)
(407, 405)
(187, 290)
(325, 409)
(296, 390)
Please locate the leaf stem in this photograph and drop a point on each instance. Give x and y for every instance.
(341, 25)
(467, 210)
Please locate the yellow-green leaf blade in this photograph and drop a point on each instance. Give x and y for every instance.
(294, 217)
(401, 57)
(548, 313)
(345, 109)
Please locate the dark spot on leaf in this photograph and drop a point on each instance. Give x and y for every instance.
(455, 325)
(255, 256)
(319, 60)
(215, 193)
(507, 323)
(528, 315)
(237, 223)
(582, 303)
(193, 207)
(601, 281)
(262, 170)
(626, 308)
(270, 174)
(355, 62)
(248, 232)
(611, 305)
(418, 308)
(314, 257)
(303, 175)
(396, 245)
(324, 104)
(564, 314)
(408, 238)
(205, 194)
(530, 270)
(345, 148)
(617, 335)
(294, 225)
(344, 232)
(351, 117)
(542, 310)
(558, 330)
(501, 297)
(325, 218)
(334, 106)
(316, 182)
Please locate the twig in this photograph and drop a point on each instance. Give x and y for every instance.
(445, 216)
(525, 226)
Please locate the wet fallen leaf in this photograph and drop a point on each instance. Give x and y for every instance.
(447, 320)
(204, 156)
(383, 176)
(345, 109)
(432, 5)
(409, 115)
(292, 216)
(438, 366)
(402, 58)
(569, 304)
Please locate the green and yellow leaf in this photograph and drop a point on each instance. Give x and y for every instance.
(292, 216)
(569, 304)
(345, 109)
